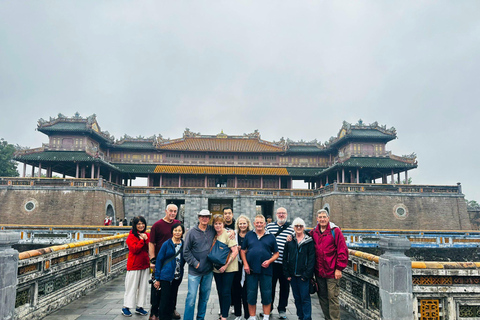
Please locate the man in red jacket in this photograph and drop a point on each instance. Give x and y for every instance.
(331, 257)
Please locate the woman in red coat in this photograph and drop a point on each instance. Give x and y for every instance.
(138, 269)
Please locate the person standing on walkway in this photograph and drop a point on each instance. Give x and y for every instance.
(138, 272)
(229, 219)
(198, 242)
(169, 271)
(331, 257)
(298, 263)
(159, 233)
(225, 274)
(239, 286)
(259, 251)
(281, 229)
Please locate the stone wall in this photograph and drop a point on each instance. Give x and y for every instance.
(378, 211)
(58, 205)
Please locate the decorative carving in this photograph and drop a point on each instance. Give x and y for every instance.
(430, 309)
(189, 134)
(468, 311)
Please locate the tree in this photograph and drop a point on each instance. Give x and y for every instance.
(408, 182)
(472, 204)
(8, 167)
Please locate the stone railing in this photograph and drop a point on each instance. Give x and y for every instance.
(222, 191)
(50, 278)
(392, 188)
(373, 286)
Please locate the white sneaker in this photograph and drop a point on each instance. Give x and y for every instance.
(219, 311)
(232, 310)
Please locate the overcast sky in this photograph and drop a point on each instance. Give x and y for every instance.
(293, 69)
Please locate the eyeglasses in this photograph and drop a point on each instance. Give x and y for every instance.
(218, 216)
(298, 226)
(204, 217)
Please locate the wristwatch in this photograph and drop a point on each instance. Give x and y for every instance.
(152, 261)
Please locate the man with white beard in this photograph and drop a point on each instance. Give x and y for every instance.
(281, 229)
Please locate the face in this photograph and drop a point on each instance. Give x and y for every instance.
(322, 219)
(140, 226)
(204, 220)
(259, 224)
(177, 232)
(298, 228)
(281, 216)
(218, 226)
(228, 215)
(171, 212)
(242, 224)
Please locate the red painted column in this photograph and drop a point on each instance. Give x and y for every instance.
(77, 170)
(206, 181)
(343, 175)
(236, 181)
(358, 175)
(261, 182)
(98, 171)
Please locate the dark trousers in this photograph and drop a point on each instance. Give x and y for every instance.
(239, 295)
(156, 296)
(284, 287)
(301, 294)
(224, 286)
(168, 298)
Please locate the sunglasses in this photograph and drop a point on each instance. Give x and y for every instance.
(298, 226)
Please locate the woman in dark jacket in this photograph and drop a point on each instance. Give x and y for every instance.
(169, 271)
(298, 264)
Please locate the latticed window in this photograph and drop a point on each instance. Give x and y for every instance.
(430, 309)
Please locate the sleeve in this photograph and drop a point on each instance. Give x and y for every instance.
(152, 234)
(187, 251)
(160, 260)
(308, 274)
(231, 242)
(274, 246)
(342, 250)
(245, 242)
(135, 245)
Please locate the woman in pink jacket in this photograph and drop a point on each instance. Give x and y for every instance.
(138, 269)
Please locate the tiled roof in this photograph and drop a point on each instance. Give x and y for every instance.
(304, 172)
(306, 148)
(222, 170)
(220, 145)
(369, 133)
(136, 168)
(375, 163)
(65, 126)
(145, 145)
(55, 156)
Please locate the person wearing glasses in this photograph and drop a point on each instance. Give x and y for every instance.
(225, 274)
(298, 263)
(281, 229)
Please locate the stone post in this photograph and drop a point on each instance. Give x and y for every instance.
(395, 283)
(8, 273)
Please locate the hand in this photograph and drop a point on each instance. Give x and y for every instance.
(157, 285)
(152, 266)
(265, 264)
(289, 278)
(231, 235)
(247, 269)
(289, 238)
(143, 236)
(338, 274)
(222, 269)
(198, 265)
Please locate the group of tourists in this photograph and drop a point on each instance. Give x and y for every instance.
(259, 256)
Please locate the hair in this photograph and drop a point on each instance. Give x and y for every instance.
(298, 222)
(175, 225)
(323, 211)
(136, 220)
(218, 218)
(249, 223)
(282, 208)
(227, 208)
(171, 204)
(260, 216)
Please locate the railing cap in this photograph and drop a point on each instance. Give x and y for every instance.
(394, 243)
(7, 239)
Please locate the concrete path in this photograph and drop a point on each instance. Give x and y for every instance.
(106, 303)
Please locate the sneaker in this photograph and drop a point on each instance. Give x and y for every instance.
(141, 312)
(219, 311)
(126, 312)
(282, 315)
(232, 310)
(239, 318)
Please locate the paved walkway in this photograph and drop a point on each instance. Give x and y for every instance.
(106, 303)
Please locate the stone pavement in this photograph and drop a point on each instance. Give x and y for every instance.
(106, 303)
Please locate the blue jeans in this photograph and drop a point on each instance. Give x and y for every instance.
(205, 284)
(301, 294)
(253, 279)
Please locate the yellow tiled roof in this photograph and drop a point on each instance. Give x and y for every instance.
(222, 170)
(221, 145)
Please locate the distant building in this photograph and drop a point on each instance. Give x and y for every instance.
(78, 148)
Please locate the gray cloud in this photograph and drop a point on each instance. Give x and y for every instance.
(288, 69)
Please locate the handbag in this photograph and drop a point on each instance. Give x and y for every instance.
(313, 287)
(219, 253)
